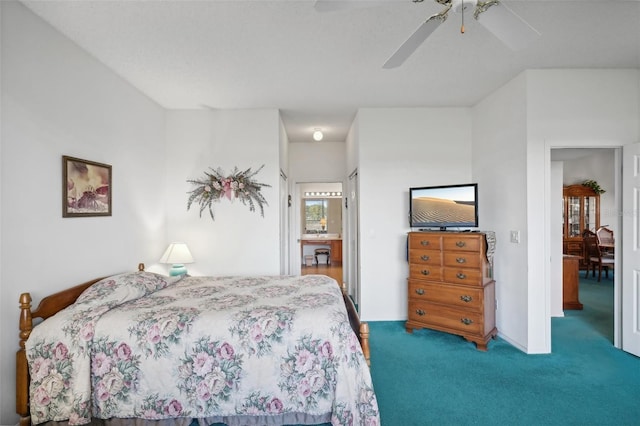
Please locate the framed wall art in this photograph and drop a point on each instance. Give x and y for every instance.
(86, 188)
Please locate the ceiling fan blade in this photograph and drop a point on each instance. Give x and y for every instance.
(503, 23)
(413, 42)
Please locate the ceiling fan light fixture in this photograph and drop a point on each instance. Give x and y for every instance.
(317, 135)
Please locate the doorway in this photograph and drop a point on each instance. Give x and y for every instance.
(574, 166)
(319, 216)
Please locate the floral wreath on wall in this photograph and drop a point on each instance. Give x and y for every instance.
(238, 185)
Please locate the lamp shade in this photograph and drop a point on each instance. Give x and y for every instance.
(177, 254)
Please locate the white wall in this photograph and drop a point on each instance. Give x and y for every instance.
(285, 192)
(4, 337)
(351, 234)
(284, 147)
(317, 161)
(567, 108)
(499, 167)
(555, 239)
(57, 100)
(352, 146)
(398, 148)
(238, 241)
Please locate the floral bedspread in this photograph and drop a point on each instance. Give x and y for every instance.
(237, 350)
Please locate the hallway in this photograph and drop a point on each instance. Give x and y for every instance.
(333, 271)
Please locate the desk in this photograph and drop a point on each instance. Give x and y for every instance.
(570, 282)
(335, 244)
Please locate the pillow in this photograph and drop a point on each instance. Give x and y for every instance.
(125, 287)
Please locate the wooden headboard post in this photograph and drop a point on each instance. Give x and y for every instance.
(364, 342)
(22, 369)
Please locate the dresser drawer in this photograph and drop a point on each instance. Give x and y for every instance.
(425, 272)
(426, 257)
(424, 241)
(462, 243)
(574, 247)
(464, 297)
(463, 276)
(462, 259)
(442, 316)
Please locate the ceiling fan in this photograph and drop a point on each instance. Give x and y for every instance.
(494, 15)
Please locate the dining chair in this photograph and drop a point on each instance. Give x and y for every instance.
(594, 257)
(605, 240)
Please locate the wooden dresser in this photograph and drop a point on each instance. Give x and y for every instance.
(450, 285)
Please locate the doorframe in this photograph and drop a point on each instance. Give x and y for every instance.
(352, 228)
(617, 290)
(296, 226)
(285, 228)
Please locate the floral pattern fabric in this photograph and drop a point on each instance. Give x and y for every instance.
(213, 348)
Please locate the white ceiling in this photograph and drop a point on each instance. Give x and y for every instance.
(319, 68)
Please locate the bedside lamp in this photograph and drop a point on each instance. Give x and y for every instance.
(177, 254)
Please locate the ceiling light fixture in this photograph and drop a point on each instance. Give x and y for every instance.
(317, 135)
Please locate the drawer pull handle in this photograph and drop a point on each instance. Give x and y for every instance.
(466, 298)
(419, 291)
(461, 276)
(420, 312)
(425, 257)
(425, 272)
(461, 259)
(461, 244)
(466, 321)
(424, 242)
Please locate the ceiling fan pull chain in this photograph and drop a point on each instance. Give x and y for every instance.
(462, 27)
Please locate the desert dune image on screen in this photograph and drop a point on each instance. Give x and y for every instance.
(444, 206)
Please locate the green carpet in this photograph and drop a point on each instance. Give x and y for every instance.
(433, 378)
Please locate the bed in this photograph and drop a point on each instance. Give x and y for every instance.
(145, 349)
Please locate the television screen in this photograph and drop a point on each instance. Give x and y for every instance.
(443, 207)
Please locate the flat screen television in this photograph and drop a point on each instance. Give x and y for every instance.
(445, 206)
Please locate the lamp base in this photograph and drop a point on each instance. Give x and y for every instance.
(177, 269)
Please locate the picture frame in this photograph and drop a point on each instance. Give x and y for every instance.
(86, 188)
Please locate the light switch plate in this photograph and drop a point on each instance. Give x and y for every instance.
(515, 237)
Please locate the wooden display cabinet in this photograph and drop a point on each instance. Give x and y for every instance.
(581, 210)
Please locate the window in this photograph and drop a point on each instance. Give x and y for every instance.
(315, 214)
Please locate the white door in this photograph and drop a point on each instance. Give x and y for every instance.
(296, 230)
(284, 224)
(353, 264)
(631, 249)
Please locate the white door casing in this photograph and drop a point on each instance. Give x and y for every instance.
(296, 230)
(630, 249)
(353, 264)
(284, 224)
